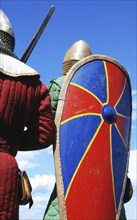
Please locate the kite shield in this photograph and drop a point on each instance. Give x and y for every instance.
(93, 122)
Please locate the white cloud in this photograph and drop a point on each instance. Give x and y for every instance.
(134, 92)
(134, 104)
(25, 164)
(37, 210)
(27, 160)
(27, 155)
(50, 150)
(130, 207)
(42, 186)
(133, 166)
(42, 183)
(32, 159)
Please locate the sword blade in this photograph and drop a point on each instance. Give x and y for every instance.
(35, 39)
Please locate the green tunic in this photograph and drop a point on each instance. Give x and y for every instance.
(54, 90)
(52, 210)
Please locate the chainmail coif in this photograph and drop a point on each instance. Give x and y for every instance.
(7, 44)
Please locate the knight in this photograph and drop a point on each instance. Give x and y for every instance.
(78, 51)
(24, 103)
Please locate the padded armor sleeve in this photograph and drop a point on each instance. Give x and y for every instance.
(39, 132)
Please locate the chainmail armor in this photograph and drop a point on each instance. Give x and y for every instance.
(67, 65)
(7, 44)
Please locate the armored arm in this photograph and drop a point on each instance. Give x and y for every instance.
(40, 126)
(54, 90)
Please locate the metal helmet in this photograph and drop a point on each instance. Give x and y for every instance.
(7, 39)
(76, 52)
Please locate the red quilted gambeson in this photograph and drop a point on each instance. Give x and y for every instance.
(9, 190)
(24, 102)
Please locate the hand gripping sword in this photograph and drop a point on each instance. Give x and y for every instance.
(35, 39)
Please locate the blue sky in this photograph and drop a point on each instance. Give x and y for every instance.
(110, 29)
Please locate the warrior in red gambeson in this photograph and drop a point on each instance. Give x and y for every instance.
(24, 103)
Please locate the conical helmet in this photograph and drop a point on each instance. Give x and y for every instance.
(79, 50)
(7, 39)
